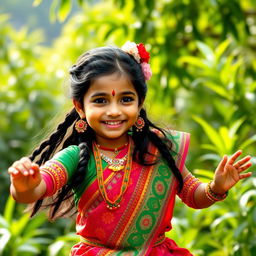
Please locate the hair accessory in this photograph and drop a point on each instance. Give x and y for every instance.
(213, 196)
(81, 126)
(139, 124)
(140, 54)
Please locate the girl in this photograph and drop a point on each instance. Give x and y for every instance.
(119, 170)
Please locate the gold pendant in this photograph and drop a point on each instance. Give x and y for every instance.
(116, 168)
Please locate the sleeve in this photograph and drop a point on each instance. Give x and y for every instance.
(190, 183)
(187, 194)
(180, 144)
(57, 171)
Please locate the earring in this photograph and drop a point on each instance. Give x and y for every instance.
(139, 124)
(81, 125)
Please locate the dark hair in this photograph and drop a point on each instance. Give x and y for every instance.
(90, 66)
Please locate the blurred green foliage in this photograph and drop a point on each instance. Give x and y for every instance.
(204, 70)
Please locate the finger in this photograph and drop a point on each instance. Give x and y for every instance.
(245, 175)
(242, 161)
(222, 163)
(34, 168)
(26, 162)
(13, 171)
(233, 158)
(244, 167)
(22, 169)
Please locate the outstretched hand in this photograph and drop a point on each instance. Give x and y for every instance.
(25, 175)
(229, 172)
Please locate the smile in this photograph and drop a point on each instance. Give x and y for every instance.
(113, 122)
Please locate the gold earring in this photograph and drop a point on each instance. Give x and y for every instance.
(81, 126)
(139, 124)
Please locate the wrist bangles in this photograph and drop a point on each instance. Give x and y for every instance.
(213, 196)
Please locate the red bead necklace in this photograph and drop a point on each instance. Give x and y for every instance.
(116, 150)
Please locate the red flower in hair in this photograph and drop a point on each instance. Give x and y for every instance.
(144, 55)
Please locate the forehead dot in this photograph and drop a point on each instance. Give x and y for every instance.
(113, 93)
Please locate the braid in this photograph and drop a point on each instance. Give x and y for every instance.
(164, 146)
(52, 143)
(75, 181)
(55, 139)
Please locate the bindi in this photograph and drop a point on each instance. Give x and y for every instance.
(113, 93)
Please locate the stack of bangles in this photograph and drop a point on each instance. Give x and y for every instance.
(213, 196)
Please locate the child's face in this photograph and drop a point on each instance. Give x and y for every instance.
(111, 107)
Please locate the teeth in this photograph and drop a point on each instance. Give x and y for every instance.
(113, 123)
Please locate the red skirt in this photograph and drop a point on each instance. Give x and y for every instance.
(167, 248)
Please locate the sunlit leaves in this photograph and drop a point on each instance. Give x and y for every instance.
(203, 82)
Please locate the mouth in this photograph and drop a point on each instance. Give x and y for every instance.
(113, 124)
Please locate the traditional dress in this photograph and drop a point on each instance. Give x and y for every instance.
(138, 226)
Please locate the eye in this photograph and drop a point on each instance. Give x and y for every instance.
(127, 99)
(100, 101)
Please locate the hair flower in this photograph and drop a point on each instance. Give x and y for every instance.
(146, 70)
(140, 54)
(144, 55)
(131, 48)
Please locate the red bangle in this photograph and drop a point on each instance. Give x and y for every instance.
(213, 196)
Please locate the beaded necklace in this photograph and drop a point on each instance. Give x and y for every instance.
(116, 203)
(116, 150)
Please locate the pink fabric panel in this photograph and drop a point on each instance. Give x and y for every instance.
(49, 184)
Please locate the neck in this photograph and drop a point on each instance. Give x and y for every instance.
(112, 144)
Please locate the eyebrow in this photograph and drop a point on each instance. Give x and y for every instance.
(98, 94)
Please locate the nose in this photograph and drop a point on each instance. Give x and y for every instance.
(113, 110)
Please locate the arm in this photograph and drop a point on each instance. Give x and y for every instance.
(27, 185)
(30, 183)
(200, 198)
(227, 174)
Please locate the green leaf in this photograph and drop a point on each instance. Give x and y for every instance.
(205, 173)
(221, 48)
(219, 89)
(206, 157)
(9, 210)
(29, 248)
(248, 142)
(80, 2)
(64, 9)
(230, 217)
(37, 2)
(246, 197)
(55, 248)
(238, 231)
(235, 126)
(192, 61)
(210, 147)
(211, 133)
(4, 238)
(53, 9)
(19, 225)
(206, 50)
(228, 141)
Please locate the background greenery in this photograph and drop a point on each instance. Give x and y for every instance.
(204, 70)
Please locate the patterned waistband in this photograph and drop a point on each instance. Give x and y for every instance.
(93, 242)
